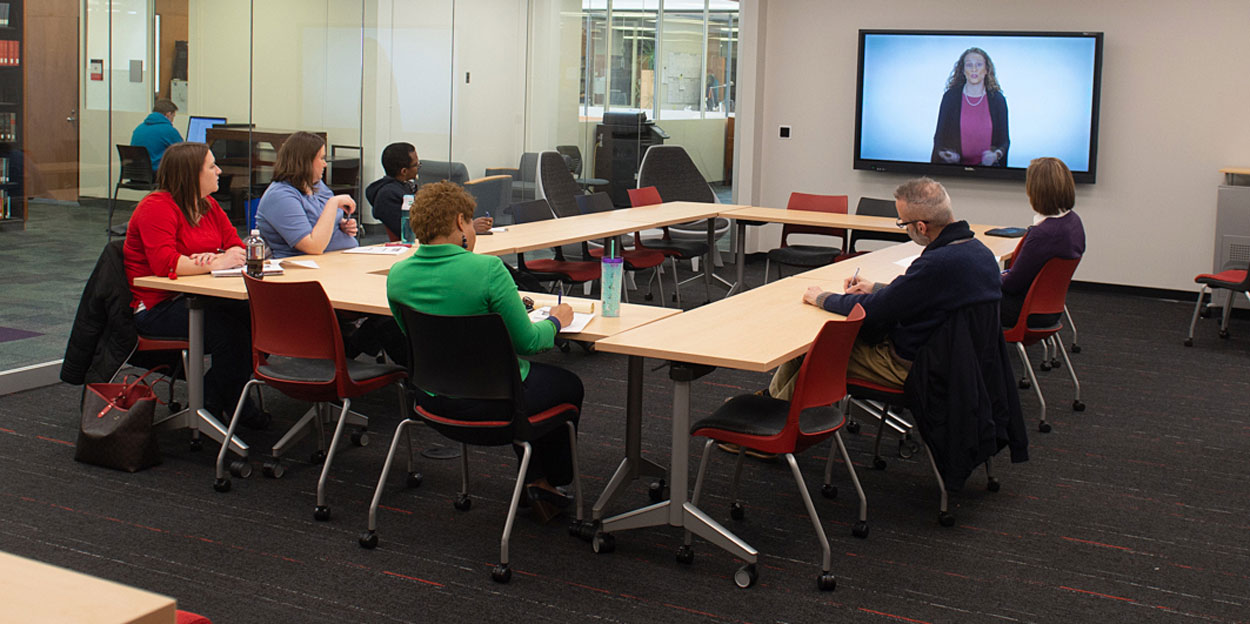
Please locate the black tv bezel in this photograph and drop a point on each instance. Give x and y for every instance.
(1007, 173)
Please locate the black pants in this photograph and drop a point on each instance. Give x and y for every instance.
(546, 386)
(227, 335)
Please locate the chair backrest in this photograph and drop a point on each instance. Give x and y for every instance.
(1046, 295)
(136, 164)
(467, 357)
(492, 194)
(530, 211)
(294, 319)
(529, 167)
(644, 196)
(573, 155)
(595, 202)
(671, 171)
(822, 377)
(814, 203)
(439, 170)
(876, 208)
(556, 184)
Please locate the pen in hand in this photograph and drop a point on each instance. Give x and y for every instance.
(855, 278)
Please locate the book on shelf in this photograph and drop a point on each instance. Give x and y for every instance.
(4, 14)
(7, 205)
(4, 170)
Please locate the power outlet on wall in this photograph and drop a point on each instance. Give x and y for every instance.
(784, 132)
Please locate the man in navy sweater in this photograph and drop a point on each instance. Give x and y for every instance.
(954, 270)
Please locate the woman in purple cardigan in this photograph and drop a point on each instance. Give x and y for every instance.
(1056, 233)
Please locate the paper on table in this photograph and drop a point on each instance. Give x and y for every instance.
(578, 325)
(303, 264)
(377, 250)
(272, 267)
(496, 230)
(906, 262)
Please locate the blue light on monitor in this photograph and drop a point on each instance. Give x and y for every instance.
(197, 127)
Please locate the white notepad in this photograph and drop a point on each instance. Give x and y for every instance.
(272, 267)
(580, 320)
(378, 250)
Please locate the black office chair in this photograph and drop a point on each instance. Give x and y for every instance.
(471, 358)
(557, 186)
(136, 174)
(874, 208)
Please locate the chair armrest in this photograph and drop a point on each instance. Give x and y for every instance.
(514, 172)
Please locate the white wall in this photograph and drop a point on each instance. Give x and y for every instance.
(130, 101)
(1174, 94)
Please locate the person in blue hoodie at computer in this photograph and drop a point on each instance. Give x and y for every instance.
(157, 132)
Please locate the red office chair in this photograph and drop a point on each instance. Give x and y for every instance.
(1046, 296)
(298, 350)
(808, 256)
(635, 259)
(556, 269)
(471, 358)
(788, 427)
(1234, 281)
(674, 249)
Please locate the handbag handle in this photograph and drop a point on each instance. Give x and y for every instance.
(125, 391)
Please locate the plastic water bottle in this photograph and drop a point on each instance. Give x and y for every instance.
(255, 247)
(405, 225)
(612, 273)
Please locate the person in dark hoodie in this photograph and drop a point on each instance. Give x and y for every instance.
(386, 195)
(157, 132)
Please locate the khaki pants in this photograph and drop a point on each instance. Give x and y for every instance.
(869, 362)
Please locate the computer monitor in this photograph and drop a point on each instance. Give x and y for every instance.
(197, 127)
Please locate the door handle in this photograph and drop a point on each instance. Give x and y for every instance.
(73, 117)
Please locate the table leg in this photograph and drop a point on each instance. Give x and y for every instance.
(633, 465)
(740, 259)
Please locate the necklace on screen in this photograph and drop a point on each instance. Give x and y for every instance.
(976, 103)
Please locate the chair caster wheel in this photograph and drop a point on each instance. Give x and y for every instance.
(360, 437)
(273, 469)
(1024, 384)
(197, 445)
(685, 554)
(1204, 312)
(240, 468)
(1078, 406)
(656, 491)
(829, 491)
(222, 485)
(321, 513)
(878, 463)
(501, 574)
(946, 519)
(1043, 427)
(1044, 366)
(317, 457)
(603, 543)
(1189, 342)
(647, 296)
(1076, 348)
(368, 540)
(583, 530)
(415, 479)
(853, 427)
(907, 447)
(736, 512)
(463, 502)
(1224, 334)
(746, 576)
(175, 407)
(993, 485)
(860, 529)
(826, 582)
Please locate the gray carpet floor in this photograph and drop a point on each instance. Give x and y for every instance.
(1133, 510)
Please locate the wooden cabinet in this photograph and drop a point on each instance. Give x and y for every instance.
(12, 132)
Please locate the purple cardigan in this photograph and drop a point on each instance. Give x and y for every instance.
(1056, 237)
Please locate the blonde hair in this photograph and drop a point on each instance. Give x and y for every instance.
(434, 209)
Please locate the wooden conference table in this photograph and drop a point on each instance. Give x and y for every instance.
(756, 330)
(37, 592)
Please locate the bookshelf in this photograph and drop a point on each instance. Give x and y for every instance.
(12, 158)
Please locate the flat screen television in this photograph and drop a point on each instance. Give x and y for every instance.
(977, 103)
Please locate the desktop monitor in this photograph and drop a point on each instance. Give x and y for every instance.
(197, 127)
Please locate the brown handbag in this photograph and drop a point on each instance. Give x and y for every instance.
(116, 427)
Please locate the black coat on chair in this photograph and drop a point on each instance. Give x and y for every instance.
(962, 392)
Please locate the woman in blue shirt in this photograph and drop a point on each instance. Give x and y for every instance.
(298, 214)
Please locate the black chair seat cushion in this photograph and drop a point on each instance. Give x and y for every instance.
(701, 225)
(804, 255)
(681, 249)
(488, 423)
(763, 417)
(304, 370)
(573, 271)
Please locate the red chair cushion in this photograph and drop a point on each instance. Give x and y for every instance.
(1233, 276)
(186, 617)
(162, 344)
(576, 271)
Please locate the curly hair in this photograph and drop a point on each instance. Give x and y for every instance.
(434, 209)
(957, 78)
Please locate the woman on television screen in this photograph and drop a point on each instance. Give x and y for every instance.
(972, 121)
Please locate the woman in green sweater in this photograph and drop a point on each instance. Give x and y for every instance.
(444, 276)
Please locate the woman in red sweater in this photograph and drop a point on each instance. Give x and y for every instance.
(179, 230)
